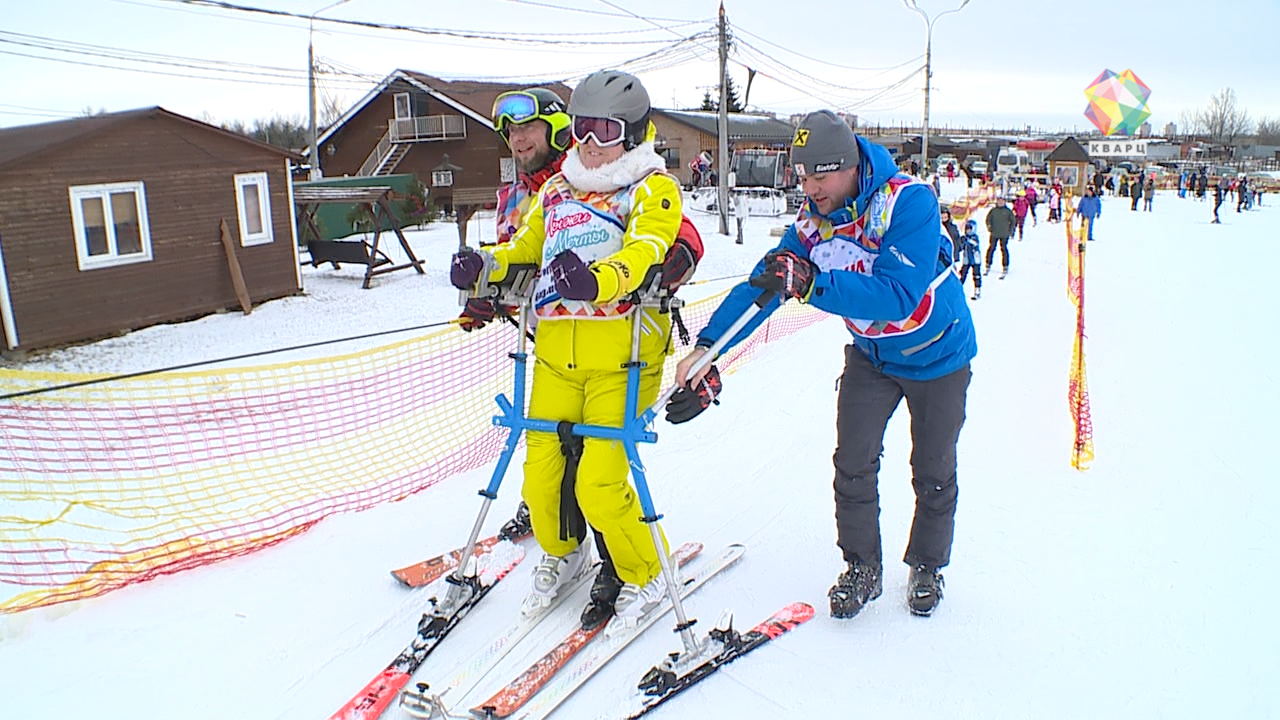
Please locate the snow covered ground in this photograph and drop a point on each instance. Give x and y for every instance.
(1139, 589)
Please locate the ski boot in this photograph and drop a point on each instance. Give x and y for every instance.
(551, 574)
(604, 593)
(856, 586)
(924, 590)
(519, 526)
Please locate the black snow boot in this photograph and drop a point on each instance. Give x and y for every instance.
(519, 526)
(857, 586)
(604, 593)
(924, 590)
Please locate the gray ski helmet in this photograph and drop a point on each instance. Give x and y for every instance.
(614, 94)
(823, 143)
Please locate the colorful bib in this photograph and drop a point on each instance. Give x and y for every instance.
(853, 244)
(592, 226)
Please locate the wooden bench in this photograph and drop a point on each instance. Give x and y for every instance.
(336, 252)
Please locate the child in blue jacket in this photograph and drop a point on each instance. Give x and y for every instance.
(971, 257)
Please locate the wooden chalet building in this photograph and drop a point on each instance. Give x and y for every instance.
(1069, 164)
(437, 129)
(113, 222)
(684, 134)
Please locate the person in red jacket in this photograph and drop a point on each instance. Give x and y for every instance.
(1021, 206)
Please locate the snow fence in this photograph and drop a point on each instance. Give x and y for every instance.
(111, 484)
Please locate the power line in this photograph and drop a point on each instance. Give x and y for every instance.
(533, 38)
(601, 12)
(824, 62)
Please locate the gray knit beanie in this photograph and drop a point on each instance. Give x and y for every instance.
(823, 143)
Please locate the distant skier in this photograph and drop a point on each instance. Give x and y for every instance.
(1021, 208)
(867, 246)
(1000, 223)
(971, 257)
(950, 227)
(1089, 209)
(1055, 202)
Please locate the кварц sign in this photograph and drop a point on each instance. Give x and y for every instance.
(1114, 148)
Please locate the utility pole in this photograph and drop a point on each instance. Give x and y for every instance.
(928, 76)
(722, 196)
(315, 173)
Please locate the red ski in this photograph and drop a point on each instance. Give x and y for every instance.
(428, 571)
(375, 697)
(518, 692)
(660, 685)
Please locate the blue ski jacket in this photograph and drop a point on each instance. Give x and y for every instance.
(883, 264)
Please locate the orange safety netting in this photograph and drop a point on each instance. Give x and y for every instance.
(111, 484)
(1078, 385)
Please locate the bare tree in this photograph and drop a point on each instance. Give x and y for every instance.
(331, 108)
(1189, 121)
(1224, 120)
(1269, 131)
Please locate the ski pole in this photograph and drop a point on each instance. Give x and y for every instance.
(764, 298)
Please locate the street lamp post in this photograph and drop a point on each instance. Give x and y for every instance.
(315, 173)
(928, 73)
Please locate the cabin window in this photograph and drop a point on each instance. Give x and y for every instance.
(111, 224)
(404, 108)
(441, 178)
(253, 203)
(670, 155)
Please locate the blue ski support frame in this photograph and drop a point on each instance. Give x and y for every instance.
(636, 427)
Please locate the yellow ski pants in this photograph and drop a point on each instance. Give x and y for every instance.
(605, 493)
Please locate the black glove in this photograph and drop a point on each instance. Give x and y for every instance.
(466, 268)
(686, 404)
(787, 274)
(476, 313)
(678, 266)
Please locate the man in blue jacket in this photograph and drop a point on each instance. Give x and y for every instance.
(868, 247)
(1090, 208)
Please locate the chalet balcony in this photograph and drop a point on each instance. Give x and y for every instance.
(427, 128)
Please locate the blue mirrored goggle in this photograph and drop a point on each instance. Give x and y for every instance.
(515, 108)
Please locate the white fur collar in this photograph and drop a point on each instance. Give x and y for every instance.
(627, 170)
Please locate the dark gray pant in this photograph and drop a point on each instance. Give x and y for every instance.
(867, 400)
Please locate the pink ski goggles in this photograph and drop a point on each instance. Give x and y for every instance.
(605, 131)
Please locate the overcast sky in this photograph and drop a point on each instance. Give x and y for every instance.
(998, 63)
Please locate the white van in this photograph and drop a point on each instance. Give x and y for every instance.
(1012, 160)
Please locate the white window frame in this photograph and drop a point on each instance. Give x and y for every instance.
(103, 192)
(441, 178)
(267, 236)
(403, 106)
